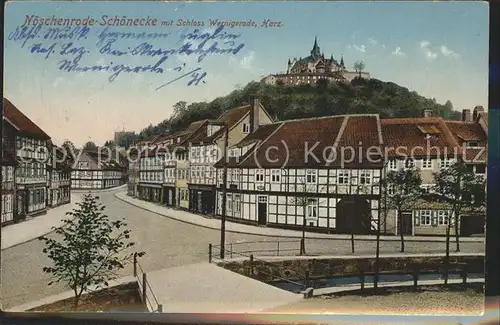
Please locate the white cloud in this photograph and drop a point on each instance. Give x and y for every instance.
(426, 49)
(424, 44)
(445, 51)
(360, 48)
(372, 41)
(247, 61)
(398, 52)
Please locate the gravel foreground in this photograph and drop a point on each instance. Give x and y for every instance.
(433, 301)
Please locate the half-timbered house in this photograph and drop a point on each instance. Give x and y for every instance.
(207, 147)
(59, 177)
(31, 153)
(8, 188)
(151, 172)
(428, 145)
(321, 174)
(96, 170)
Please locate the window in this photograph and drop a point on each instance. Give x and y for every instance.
(311, 176)
(443, 218)
(343, 177)
(445, 163)
(426, 163)
(480, 169)
(275, 175)
(259, 176)
(425, 217)
(365, 177)
(472, 144)
(390, 190)
(237, 203)
(246, 128)
(392, 164)
(312, 209)
(409, 163)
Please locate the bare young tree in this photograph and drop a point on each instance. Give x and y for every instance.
(306, 197)
(359, 66)
(461, 189)
(403, 191)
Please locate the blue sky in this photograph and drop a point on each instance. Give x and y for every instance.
(438, 49)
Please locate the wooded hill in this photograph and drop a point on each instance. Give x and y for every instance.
(285, 102)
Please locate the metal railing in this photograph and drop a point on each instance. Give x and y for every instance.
(274, 247)
(144, 286)
(415, 271)
(214, 251)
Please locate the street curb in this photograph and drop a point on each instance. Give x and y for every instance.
(312, 235)
(32, 239)
(111, 189)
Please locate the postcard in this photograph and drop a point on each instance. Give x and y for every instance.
(245, 157)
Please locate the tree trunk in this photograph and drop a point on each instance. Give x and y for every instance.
(76, 300)
(447, 256)
(400, 218)
(303, 240)
(457, 236)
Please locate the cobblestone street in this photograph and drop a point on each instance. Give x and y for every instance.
(170, 243)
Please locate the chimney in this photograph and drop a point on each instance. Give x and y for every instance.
(254, 114)
(466, 116)
(428, 113)
(477, 110)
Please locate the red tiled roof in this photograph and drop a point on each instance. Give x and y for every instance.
(310, 142)
(232, 116)
(260, 134)
(475, 155)
(406, 137)
(467, 131)
(21, 121)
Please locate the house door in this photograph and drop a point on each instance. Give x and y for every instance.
(262, 210)
(200, 202)
(407, 223)
(21, 203)
(170, 198)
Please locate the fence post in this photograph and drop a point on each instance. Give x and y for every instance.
(415, 277)
(160, 308)
(362, 278)
(209, 253)
(306, 280)
(464, 277)
(144, 284)
(135, 265)
(231, 248)
(251, 265)
(278, 249)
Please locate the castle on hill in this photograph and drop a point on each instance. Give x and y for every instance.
(315, 67)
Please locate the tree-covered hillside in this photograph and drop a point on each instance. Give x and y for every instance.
(290, 102)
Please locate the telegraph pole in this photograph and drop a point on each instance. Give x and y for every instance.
(224, 196)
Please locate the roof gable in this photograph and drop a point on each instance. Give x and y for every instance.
(21, 122)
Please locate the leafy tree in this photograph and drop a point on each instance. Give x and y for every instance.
(90, 248)
(403, 191)
(359, 66)
(179, 108)
(280, 83)
(459, 187)
(90, 146)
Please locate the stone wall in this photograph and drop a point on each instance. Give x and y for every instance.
(329, 267)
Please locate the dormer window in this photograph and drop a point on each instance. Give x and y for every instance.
(472, 144)
(246, 128)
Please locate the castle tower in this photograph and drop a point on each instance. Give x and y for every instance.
(342, 62)
(315, 52)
